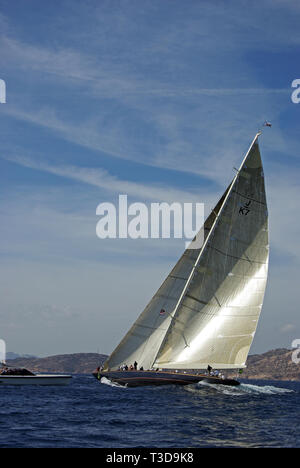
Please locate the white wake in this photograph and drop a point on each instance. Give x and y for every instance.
(242, 389)
(267, 389)
(106, 381)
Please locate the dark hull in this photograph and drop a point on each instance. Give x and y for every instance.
(142, 378)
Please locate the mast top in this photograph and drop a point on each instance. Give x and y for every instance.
(265, 124)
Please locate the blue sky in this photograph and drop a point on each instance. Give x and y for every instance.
(156, 99)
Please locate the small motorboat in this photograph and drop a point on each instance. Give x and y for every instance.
(22, 376)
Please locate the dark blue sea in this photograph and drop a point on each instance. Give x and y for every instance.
(89, 414)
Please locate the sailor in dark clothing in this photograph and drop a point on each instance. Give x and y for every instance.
(135, 365)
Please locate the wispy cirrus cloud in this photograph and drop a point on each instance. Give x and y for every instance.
(100, 178)
(104, 77)
(220, 150)
(173, 112)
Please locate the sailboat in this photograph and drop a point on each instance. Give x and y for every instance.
(202, 320)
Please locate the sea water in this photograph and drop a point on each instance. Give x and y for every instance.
(91, 414)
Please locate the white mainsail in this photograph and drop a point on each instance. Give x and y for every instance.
(206, 311)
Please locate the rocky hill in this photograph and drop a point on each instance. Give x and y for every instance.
(273, 365)
(80, 363)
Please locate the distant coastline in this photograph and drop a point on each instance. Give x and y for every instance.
(273, 365)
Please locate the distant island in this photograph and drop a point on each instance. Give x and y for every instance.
(272, 365)
(79, 363)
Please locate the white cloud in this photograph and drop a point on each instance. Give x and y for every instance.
(100, 178)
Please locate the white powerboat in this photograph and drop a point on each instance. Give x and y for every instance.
(10, 376)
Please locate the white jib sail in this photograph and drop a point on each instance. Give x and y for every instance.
(206, 311)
